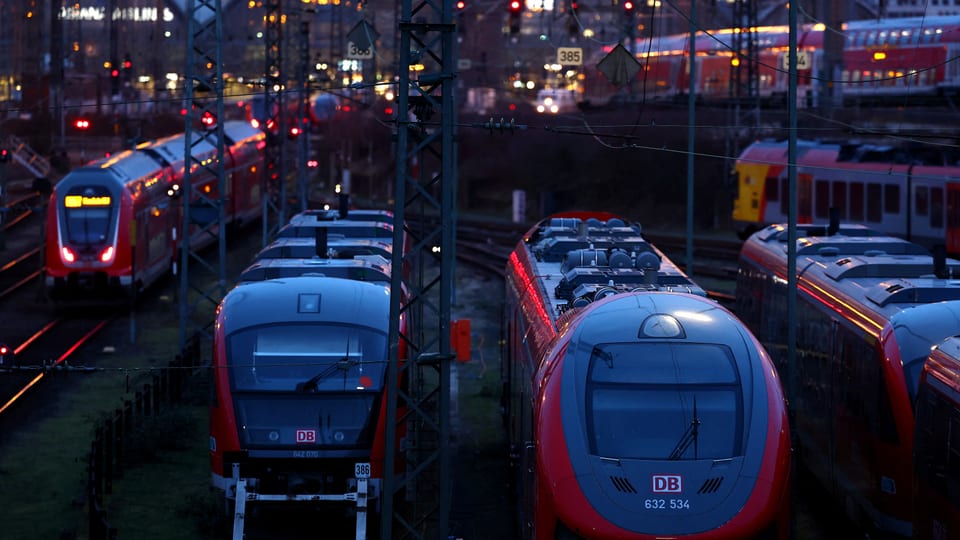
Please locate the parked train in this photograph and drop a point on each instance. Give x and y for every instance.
(869, 308)
(936, 509)
(321, 108)
(113, 229)
(636, 407)
(904, 193)
(301, 353)
(883, 60)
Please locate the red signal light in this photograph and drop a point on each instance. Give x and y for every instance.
(294, 131)
(461, 4)
(81, 123)
(515, 6)
(208, 120)
(4, 155)
(628, 6)
(312, 163)
(114, 72)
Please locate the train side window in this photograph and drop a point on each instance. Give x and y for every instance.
(871, 39)
(856, 201)
(771, 189)
(784, 201)
(822, 202)
(921, 204)
(861, 36)
(874, 203)
(891, 199)
(839, 199)
(882, 38)
(936, 208)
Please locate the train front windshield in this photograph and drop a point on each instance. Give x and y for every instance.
(307, 358)
(307, 385)
(87, 215)
(664, 401)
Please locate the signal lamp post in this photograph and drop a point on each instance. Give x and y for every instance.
(82, 125)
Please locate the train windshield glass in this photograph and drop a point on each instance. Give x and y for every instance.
(664, 401)
(87, 212)
(307, 358)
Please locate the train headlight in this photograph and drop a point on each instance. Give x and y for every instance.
(68, 254)
(107, 254)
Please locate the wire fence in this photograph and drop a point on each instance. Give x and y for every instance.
(110, 449)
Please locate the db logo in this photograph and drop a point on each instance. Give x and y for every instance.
(306, 436)
(667, 483)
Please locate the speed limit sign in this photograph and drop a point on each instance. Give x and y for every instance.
(570, 56)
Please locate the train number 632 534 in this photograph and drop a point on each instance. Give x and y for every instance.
(664, 504)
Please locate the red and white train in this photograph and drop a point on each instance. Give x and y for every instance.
(936, 509)
(300, 356)
(113, 228)
(869, 309)
(882, 60)
(889, 189)
(636, 407)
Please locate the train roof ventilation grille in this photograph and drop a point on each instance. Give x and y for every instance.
(622, 484)
(711, 485)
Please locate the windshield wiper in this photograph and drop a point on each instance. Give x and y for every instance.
(310, 385)
(690, 436)
(344, 365)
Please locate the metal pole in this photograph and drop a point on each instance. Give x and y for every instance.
(691, 132)
(792, 234)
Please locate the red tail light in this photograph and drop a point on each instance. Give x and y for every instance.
(68, 254)
(107, 254)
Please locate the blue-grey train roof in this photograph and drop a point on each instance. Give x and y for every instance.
(882, 278)
(278, 301)
(373, 268)
(306, 226)
(172, 149)
(337, 248)
(352, 214)
(118, 169)
(577, 262)
(883, 273)
(235, 131)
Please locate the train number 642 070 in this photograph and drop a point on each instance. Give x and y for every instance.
(663, 504)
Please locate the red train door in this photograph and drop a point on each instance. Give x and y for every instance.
(953, 218)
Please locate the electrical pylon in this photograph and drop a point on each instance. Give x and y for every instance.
(202, 212)
(416, 503)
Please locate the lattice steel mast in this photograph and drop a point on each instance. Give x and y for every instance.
(203, 211)
(425, 188)
(273, 188)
